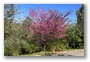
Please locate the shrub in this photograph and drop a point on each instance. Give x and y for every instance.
(12, 46)
(29, 48)
(56, 45)
(75, 38)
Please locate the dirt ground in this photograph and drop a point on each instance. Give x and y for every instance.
(74, 52)
(77, 52)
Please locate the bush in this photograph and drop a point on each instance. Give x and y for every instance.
(75, 38)
(12, 46)
(56, 45)
(29, 48)
(15, 46)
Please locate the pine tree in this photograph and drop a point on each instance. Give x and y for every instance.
(80, 25)
(80, 19)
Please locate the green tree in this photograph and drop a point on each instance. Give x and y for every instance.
(9, 13)
(10, 29)
(76, 31)
(80, 19)
(80, 23)
(12, 43)
(74, 37)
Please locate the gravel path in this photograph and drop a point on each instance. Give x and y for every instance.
(72, 53)
(79, 52)
(76, 52)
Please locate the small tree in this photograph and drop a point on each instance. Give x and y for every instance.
(48, 25)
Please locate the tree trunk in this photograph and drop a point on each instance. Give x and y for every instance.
(44, 48)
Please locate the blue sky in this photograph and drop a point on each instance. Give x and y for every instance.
(25, 8)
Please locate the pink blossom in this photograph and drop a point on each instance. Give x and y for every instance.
(49, 24)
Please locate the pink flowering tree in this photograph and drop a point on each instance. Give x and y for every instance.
(48, 25)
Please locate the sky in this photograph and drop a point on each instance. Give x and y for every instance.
(24, 9)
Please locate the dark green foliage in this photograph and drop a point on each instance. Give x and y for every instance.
(80, 19)
(75, 38)
(75, 33)
(80, 23)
